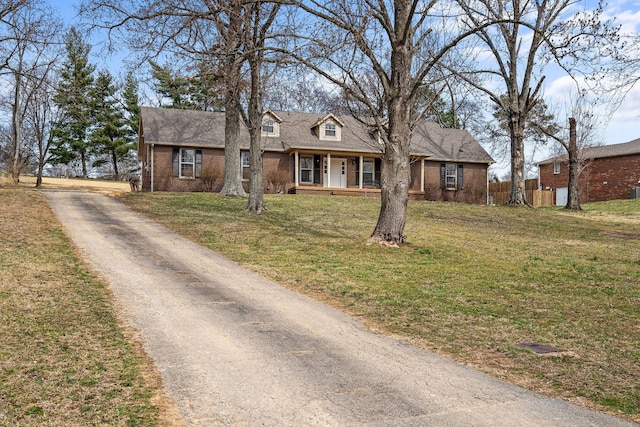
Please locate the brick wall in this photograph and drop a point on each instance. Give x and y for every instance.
(612, 178)
(474, 191)
(602, 179)
(475, 184)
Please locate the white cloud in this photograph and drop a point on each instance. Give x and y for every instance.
(626, 13)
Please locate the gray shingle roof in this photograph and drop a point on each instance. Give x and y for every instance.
(185, 128)
(612, 150)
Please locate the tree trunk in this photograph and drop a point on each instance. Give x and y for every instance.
(256, 184)
(573, 200)
(16, 126)
(83, 159)
(39, 178)
(114, 159)
(232, 185)
(518, 195)
(394, 197)
(232, 167)
(396, 173)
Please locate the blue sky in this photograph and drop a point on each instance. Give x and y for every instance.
(625, 122)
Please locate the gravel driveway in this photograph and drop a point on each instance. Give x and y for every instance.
(235, 349)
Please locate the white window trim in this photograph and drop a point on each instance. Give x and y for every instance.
(181, 163)
(373, 172)
(245, 162)
(268, 126)
(448, 175)
(330, 130)
(311, 170)
(556, 168)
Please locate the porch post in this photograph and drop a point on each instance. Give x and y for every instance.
(360, 171)
(328, 170)
(152, 171)
(422, 175)
(296, 168)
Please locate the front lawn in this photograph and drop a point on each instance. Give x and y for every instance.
(472, 283)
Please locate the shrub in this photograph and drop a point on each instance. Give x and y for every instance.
(210, 177)
(278, 179)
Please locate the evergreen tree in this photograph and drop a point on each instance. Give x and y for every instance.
(201, 91)
(111, 135)
(131, 102)
(73, 97)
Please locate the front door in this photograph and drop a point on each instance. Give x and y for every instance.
(338, 174)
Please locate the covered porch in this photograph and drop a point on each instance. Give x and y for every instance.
(346, 173)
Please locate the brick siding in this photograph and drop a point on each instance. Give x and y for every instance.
(607, 178)
(474, 191)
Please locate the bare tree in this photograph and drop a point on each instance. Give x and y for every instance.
(402, 42)
(31, 36)
(261, 17)
(8, 9)
(300, 91)
(580, 134)
(40, 115)
(528, 36)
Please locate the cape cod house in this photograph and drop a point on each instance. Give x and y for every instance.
(608, 172)
(183, 150)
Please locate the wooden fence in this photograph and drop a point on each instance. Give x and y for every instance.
(499, 193)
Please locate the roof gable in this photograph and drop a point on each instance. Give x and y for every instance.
(271, 113)
(327, 118)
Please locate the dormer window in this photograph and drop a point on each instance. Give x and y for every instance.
(268, 126)
(330, 130)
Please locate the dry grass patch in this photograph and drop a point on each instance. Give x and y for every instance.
(473, 282)
(64, 358)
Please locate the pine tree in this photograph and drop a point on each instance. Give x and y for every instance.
(131, 105)
(200, 91)
(73, 97)
(110, 134)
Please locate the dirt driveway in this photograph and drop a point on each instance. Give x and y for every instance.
(235, 349)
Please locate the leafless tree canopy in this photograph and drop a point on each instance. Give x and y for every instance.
(29, 49)
(528, 37)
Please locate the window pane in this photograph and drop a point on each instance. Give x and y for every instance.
(451, 175)
(367, 166)
(187, 162)
(330, 129)
(306, 162)
(368, 172)
(187, 156)
(306, 169)
(267, 126)
(186, 170)
(245, 158)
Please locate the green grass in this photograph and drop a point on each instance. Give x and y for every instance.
(64, 358)
(472, 282)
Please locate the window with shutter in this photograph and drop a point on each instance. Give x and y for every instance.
(451, 176)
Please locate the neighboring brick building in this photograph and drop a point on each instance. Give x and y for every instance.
(307, 153)
(608, 172)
